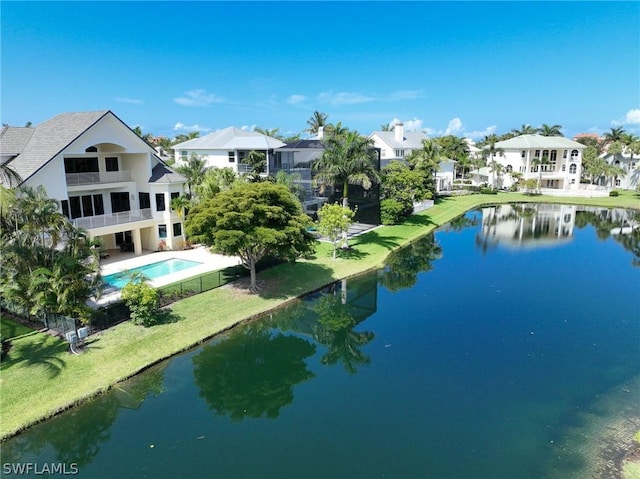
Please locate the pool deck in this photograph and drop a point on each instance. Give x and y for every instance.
(118, 262)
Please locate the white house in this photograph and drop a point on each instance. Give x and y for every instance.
(107, 179)
(228, 148)
(445, 175)
(554, 160)
(629, 163)
(396, 144)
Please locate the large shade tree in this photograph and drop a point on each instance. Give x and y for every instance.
(252, 221)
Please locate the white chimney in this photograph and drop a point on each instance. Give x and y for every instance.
(398, 129)
(320, 132)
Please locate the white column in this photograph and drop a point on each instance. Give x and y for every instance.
(137, 241)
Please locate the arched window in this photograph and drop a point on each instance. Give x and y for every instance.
(509, 168)
(91, 149)
(574, 154)
(573, 168)
(564, 167)
(554, 156)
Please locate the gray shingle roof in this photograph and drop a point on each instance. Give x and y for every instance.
(13, 139)
(50, 138)
(161, 173)
(231, 139)
(304, 145)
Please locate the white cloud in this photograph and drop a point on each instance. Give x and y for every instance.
(454, 127)
(248, 128)
(481, 133)
(405, 95)
(132, 101)
(343, 98)
(182, 127)
(632, 117)
(198, 97)
(296, 99)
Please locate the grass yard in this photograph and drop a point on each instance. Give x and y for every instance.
(40, 367)
(11, 329)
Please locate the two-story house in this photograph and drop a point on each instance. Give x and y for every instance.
(228, 148)
(553, 160)
(396, 144)
(106, 178)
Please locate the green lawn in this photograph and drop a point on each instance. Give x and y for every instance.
(41, 369)
(11, 329)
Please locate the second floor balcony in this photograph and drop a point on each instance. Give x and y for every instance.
(97, 177)
(112, 219)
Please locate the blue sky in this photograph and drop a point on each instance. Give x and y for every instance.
(444, 67)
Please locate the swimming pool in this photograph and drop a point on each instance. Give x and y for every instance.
(151, 271)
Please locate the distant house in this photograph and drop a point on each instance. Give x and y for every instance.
(297, 158)
(555, 160)
(107, 179)
(228, 148)
(629, 164)
(445, 175)
(396, 144)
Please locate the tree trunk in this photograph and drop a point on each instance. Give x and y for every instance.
(252, 271)
(345, 204)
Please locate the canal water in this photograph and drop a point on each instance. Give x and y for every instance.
(475, 353)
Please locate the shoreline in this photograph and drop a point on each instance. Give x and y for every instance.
(126, 350)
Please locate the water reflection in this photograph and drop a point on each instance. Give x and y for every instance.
(339, 311)
(401, 267)
(525, 226)
(622, 225)
(76, 436)
(252, 372)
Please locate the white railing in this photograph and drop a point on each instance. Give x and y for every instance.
(112, 219)
(74, 179)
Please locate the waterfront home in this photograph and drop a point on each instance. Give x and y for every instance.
(228, 148)
(106, 178)
(555, 161)
(629, 164)
(396, 144)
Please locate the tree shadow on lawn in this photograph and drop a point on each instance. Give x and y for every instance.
(166, 316)
(46, 350)
(374, 238)
(285, 281)
(419, 220)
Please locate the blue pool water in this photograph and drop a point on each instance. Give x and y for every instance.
(151, 271)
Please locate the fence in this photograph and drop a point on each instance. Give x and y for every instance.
(56, 322)
(200, 284)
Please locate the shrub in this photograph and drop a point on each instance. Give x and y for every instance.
(143, 301)
(488, 191)
(392, 211)
(614, 193)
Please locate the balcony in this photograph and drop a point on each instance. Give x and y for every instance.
(76, 179)
(113, 219)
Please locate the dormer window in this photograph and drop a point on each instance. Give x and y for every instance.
(91, 149)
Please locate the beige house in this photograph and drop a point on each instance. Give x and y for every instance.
(106, 178)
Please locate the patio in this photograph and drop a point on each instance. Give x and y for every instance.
(119, 261)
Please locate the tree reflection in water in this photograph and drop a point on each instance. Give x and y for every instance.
(401, 267)
(252, 372)
(335, 330)
(76, 436)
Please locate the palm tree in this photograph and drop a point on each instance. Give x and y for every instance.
(316, 121)
(193, 171)
(489, 152)
(273, 132)
(550, 130)
(215, 180)
(347, 161)
(616, 134)
(525, 129)
(180, 206)
(8, 176)
(427, 160)
(292, 182)
(257, 162)
(456, 149)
